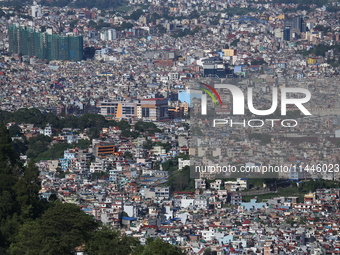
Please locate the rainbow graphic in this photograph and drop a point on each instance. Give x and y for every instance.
(212, 95)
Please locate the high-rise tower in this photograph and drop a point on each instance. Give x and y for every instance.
(26, 41)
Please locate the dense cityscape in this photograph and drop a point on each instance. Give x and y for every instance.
(108, 109)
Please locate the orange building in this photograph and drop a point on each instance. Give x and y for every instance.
(104, 149)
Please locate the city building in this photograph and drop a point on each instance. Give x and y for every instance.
(104, 149)
(214, 66)
(36, 10)
(287, 34)
(153, 109)
(27, 41)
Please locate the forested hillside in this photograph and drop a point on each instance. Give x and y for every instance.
(31, 225)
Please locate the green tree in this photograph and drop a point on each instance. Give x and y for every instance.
(166, 146)
(159, 247)
(20, 146)
(126, 25)
(207, 251)
(99, 176)
(337, 143)
(8, 205)
(195, 130)
(148, 127)
(53, 152)
(161, 29)
(155, 16)
(123, 125)
(322, 28)
(108, 241)
(136, 14)
(38, 145)
(60, 230)
(148, 144)
(26, 191)
(82, 144)
(258, 61)
(234, 43)
(73, 23)
(89, 52)
(194, 15)
(128, 155)
(93, 132)
(264, 138)
(19, 187)
(14, 130)
(92, 24)
(170, 165)
(33, 116)
(180, 180)
(156, 165)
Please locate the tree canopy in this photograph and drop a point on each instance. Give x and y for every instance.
(108, 241)
(159, 247)
(19, 187)
(60, 230)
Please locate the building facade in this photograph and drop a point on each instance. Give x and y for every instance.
(26, 41)
(154, 109)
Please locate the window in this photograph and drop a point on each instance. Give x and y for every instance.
(111, 110)
(128, 110)
(145, 112)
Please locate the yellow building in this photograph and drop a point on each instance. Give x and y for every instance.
(311, 61)
(185, 106)
(229, 52)
(280, 16)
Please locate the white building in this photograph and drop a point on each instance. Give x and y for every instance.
(109, 35)
(162, 192)
(201, 203)
(69, 154)
(98, 166)
(112, 34)
(208, 235)
(216, 184)
(239, 184)
(296, 173)
(187, 202)
(113, 177)
(200, 184)
(36, 10)
(131, 210)
(48, 130)
(80, 166)
(173, 76)
(337, 133)
(182, 163)
(72, 138)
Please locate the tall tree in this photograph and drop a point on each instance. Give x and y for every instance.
(61, 229)
(159, 247)
(8, 175)
(26, 190)
(108, 241)
(19, 187)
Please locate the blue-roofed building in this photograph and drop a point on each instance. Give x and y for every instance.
(253, 205)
